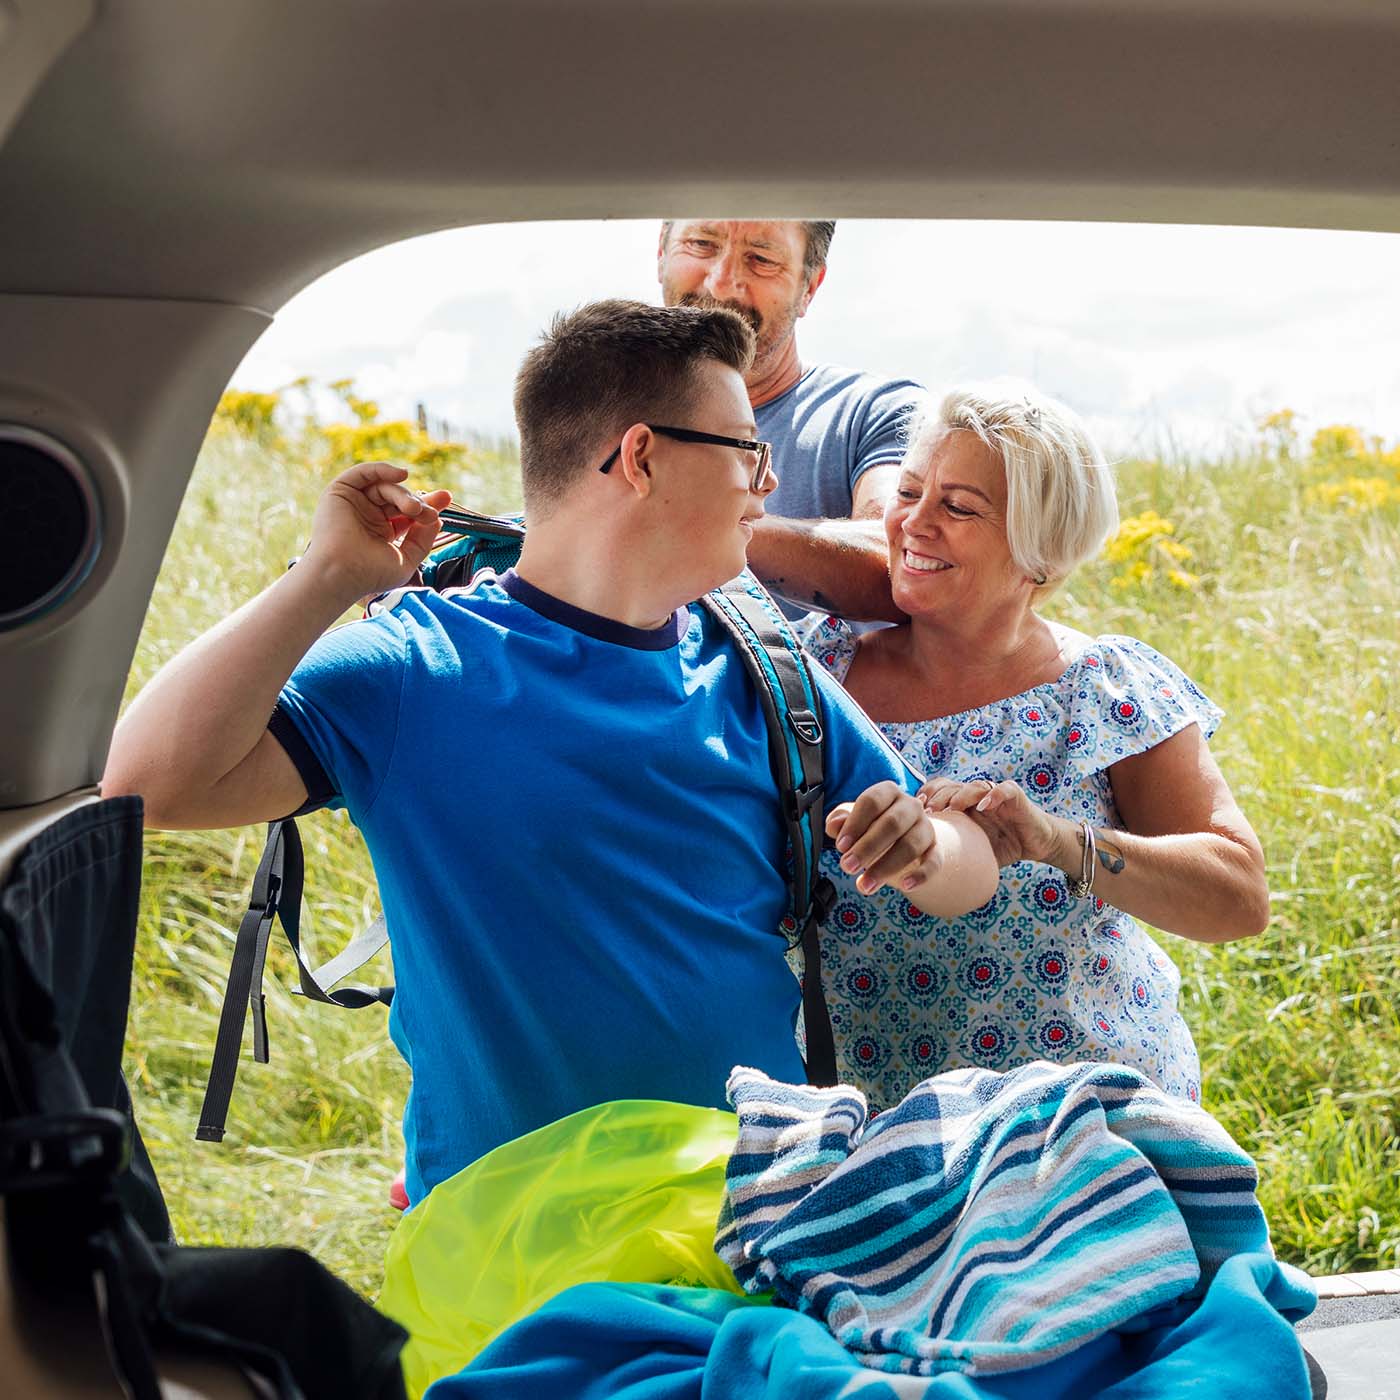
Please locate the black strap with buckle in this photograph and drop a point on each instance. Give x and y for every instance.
(277, 890)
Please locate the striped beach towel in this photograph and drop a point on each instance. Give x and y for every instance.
(988, 1223)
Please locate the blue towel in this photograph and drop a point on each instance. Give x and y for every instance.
(989, 1223)
(656, 1342)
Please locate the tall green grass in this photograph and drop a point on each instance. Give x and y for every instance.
(313, 1137)
(1292, 628)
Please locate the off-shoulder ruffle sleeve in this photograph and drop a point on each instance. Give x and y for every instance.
(1127, 698)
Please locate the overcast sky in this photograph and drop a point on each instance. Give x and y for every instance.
(1159, 334)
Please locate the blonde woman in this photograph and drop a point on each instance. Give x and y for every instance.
(1084, 758)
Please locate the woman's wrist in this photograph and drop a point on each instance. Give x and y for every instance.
(1066, 847)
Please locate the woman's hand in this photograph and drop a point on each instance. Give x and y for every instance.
(1016, 827)
(370, 532)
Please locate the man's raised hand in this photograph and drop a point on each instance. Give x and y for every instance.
(370, 532)
(887, 836)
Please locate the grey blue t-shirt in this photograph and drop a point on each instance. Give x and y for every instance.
(827, 431)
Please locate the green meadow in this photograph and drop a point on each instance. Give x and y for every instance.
(1273, 579)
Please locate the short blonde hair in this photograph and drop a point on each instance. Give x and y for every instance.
(1060, 501)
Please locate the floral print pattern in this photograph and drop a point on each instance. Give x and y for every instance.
(1034, 973)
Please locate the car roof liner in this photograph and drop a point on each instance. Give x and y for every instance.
(235, 152)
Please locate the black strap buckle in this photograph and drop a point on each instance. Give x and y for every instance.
(797, 802)
(63, 1149)
(266, 900)
(823, 899)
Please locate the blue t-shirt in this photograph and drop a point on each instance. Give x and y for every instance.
(579, 851)
(827, 431)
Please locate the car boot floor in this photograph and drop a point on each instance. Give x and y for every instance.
(1352, 1340)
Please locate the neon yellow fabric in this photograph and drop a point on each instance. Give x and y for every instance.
(626, 1192)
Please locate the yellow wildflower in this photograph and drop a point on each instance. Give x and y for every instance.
(364, 442)
(249, 414)
(1135, 534)
(1356, 494)
(1280, 432)
(1338, 442)
(1137, 575)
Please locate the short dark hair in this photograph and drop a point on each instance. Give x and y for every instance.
(602, 368)
(818, 233)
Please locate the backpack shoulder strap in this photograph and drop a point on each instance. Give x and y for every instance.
(277, 889)
(792, 708)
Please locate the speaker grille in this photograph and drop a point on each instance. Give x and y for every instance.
(48, 524)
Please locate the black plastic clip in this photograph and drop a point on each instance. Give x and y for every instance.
(63, 1149)
(797, 803)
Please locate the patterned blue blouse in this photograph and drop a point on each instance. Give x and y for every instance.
(1034, 973)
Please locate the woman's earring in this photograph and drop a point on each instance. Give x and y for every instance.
(1039, 580)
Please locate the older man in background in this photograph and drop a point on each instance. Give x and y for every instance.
(836, 432)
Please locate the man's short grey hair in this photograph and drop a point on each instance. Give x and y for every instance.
(819, 232)
(1060, 501)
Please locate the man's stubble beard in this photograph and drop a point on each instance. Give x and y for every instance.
(770, 336)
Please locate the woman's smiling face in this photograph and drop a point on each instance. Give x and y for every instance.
(946, 526)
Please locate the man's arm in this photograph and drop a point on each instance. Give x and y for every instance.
(195, 742)
(836, 566)
(842, 566)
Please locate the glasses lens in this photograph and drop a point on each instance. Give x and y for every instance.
(760, 472)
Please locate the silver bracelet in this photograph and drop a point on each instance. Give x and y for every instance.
(1084, 885)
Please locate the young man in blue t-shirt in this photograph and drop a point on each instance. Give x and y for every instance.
(609, 929)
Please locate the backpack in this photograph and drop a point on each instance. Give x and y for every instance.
(792, 709)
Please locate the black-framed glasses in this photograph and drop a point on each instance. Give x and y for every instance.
(764, 449)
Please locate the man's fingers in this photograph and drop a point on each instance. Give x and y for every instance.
(888, 838)
(365, 474)
(396, 500)
(420, 501)
(871, 844)
(870, 804)
(886, 833)
(420, 537)
(382, 483)
(909, 860)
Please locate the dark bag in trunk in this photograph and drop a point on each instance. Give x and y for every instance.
(73, 1189)
(70, 903)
